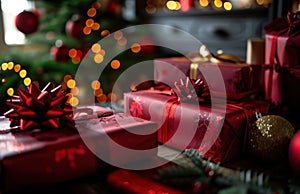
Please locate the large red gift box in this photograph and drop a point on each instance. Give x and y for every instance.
(241, 80)
(219, 131)
(282, 56)
(35, 158)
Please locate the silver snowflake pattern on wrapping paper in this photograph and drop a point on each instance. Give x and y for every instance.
(136, 108)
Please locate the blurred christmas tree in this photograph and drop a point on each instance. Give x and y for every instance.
(58, 35)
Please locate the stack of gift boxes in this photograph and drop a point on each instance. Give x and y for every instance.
(216, 124)
(208, 104)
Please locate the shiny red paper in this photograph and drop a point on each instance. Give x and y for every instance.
(283, 59)
(169, 114)
(240, 80)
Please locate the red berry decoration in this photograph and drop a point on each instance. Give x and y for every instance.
(74, 27)
(60, 53)
(294, 153)
(27, 22)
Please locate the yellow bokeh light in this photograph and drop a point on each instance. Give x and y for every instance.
(73, 101)
(105, 33)
(171, 5)
(203, 3)
(95, 84)
(3, 80)
(4, 66)
(178, 6)
(102, 98)
(27, 81)
(91, 12)
(98, 92)
(23, 73)
(67, 77)
(260, 2)
(122, 42)
(71, 83)
(10, 91)
(98, 58)
(10, 65)
(118, 35)
(75, 91)
(227, 6)
(96, 48)
(89, 22)
(72, 52)
(17, 68)
(87, 30)
(135, 48)
(218, 3)
(96, 26)
(115, 64)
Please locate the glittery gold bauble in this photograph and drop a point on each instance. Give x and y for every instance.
(269, 138)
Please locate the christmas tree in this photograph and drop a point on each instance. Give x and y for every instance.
(58, 35)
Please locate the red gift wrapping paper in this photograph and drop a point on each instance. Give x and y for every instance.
(171, 116)
(282, 57)
(35, 158)
(131, 182)
(241, 80)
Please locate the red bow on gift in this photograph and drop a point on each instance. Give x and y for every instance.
(191, 90)
(35, 108)
(289, 24)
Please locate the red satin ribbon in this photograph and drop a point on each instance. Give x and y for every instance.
(169, 112)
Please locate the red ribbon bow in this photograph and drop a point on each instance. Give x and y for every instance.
(198, 90)
(35, 108)
(282, 25)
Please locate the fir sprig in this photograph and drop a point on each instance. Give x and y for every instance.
(201, 171)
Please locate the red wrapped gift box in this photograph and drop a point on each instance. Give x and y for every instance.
(36, 158)
(282, 56)
(240, 80)
(196, 126)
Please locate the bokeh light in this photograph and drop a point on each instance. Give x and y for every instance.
(4, 66)
(71, 83)
(27, 81)
(10, 91)
(227, 6)
(73, 101)
(135, 48)
(96, 48)
(98, 58)
(115, 64)
(95, 84)
(10, 65)
(218, 3)
(204, 3)
(17, 68)
(23, 73)
(91, 12)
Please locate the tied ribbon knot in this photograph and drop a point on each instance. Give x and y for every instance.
(294, 20)
(44, 109)
(190, 90)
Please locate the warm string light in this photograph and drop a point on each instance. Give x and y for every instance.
(90, 23)
(10, 66)
(174, 5)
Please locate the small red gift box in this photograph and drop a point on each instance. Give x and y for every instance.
(218, 130)
(282, 56)
(240, 80)
(34, 158)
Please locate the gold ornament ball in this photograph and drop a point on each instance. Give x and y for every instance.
(269, 138)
